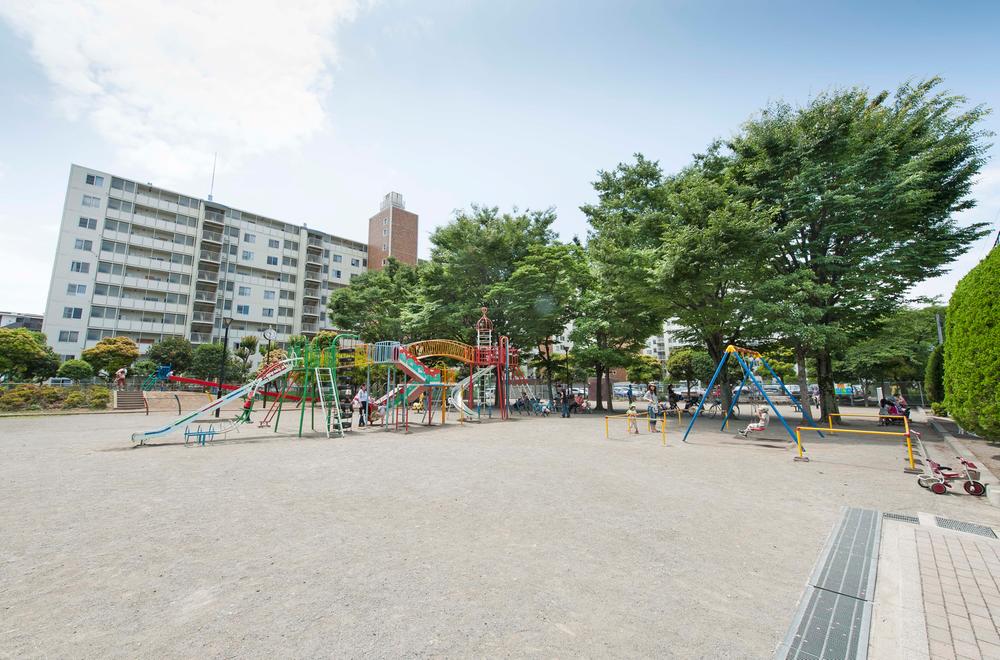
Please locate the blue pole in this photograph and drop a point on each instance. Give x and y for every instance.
(732, 404)
(704, 397)
(760, 389)
(804, 408)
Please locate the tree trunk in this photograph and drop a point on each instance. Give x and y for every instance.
(717, 352)
(802, 376)
(548, 378)
(827, 393)
(610, 394)
(597, 385)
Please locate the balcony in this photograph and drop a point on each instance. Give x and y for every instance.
(310, 292)
(314, 244)
(203, 318)
(310, 328)
(208, 236)
(312, 276)
(313, 260)
(310, 310)
(204, 297)
(208, 255)
(201, 338)
(207, 276)
(214, 218)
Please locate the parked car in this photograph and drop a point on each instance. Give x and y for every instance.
(59, 382)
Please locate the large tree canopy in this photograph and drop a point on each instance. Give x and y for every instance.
(861, 191)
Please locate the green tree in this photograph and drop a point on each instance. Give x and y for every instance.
(20, 352)
(683, 366)
(972, 349)
(111, 354)
(143, 367)
(934, 375)
(245, 352)
(472, 257)
(207, 361)
(861, 191)
(174, 351)
(644, 369)
(375, 304)
(75, 370)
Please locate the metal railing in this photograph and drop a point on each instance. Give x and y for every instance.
(208, 276)
(310, 292)
(201, 338)
(208, 255)
(311, 310)
(203, 317)
(904, 433)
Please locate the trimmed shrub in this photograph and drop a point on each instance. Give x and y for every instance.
(100, 397)
(75, 369)
(939, 409)
(51, 396)
(19, 398)
(934, 374)
(75, 399)
(972, 349)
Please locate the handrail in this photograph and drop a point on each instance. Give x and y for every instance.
(663, 429)
(906, 434)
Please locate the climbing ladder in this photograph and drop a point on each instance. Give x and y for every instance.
(326, 388)
(269, 415)
(342, 391)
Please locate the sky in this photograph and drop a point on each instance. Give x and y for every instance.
(317, 108)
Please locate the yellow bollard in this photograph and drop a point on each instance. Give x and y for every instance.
(663, 430)
(605, 427)
(798, 442)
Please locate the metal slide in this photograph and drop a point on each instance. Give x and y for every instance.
(276, 371)
(459, 388)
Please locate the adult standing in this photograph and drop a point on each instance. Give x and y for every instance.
(630, 394)
(562, 398)
(361, 398)
(652, 402)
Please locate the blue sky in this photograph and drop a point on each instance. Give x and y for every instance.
(317, 111)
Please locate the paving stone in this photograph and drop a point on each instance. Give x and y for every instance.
(967, 650)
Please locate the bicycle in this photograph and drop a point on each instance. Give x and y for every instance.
(717, 410)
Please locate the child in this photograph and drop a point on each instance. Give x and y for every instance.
(759, 425)
(632, 420)
(247, 407)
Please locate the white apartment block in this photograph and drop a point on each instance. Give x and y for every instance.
(136, 260)
(660, 346)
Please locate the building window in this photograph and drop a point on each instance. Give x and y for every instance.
(72, 313)
(326, 254)
(364, 262)
(118, 204)
(227, 305)
(273, 243)
(249, 238)
(337, 258)
(268, 312)
(336, 274)
(272, 261)
(247, 255)
(91, 201)
(289, 261)
(385, 232)
(268, 295)
(384, 261)
(385, 247)
(79, 267)
(121, 184)
(95, 180)
(81, 244)
(243, 309)
(69, 335)
(326, 268)
(355, 262)
(244, 291)
(76, 289)
(288, 295)
(385, 221)
(291, 245)
(88, 223)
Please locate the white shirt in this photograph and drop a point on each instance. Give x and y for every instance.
(362, 395)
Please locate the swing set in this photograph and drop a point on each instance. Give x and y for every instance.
(749, 361)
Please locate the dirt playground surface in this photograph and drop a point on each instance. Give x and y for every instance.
(533, 537)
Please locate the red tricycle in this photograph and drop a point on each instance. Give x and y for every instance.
(941, 476)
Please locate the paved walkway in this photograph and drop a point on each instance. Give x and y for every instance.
(938, 594)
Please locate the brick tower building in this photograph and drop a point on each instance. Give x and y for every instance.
(392, 232)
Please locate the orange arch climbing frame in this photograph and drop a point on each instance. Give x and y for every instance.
(442, 348)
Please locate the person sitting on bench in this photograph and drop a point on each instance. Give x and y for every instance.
(761, 424)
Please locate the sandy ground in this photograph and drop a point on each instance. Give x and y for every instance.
(532, 537)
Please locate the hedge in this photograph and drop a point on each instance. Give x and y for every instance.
(972, 349)
(44, 397)
(934, 375)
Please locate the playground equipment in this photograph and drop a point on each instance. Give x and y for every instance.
(905, 433)
(636, 422)
(321, 378)
(749, 361)
(941, 476)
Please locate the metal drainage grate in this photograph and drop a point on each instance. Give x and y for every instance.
(902, 517)
(834, 616)
(969, 528)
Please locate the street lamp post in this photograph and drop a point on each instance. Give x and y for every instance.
(222, 364)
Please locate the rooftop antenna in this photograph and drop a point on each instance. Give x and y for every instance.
(211, 188)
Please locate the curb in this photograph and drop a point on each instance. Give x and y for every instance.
(960, 449)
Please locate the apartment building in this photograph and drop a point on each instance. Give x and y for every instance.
(148, 263)
(392, 232)
(14, 320)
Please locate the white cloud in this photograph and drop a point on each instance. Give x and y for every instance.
(169, 82)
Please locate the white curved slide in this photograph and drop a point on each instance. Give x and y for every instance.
(274, 372)
(457, 400)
